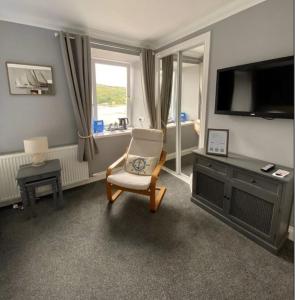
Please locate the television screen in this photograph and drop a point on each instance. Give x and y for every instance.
(263, 89)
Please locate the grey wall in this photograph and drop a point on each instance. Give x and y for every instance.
(26, 116)
(110, 149)
(262, 32)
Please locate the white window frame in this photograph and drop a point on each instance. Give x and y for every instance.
(112, 63)
(173, 97)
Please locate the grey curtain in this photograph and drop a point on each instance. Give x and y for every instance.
(148, 75)
(77, 62)
(166, 89)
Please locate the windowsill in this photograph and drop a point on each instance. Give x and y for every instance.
(186, 123)
(106, 134)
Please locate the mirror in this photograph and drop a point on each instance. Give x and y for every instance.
(182, 137)
(190, 105)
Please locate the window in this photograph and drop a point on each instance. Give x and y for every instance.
(111, 91)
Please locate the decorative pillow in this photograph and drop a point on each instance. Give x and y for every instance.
(140, 165)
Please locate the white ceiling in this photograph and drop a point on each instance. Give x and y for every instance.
(136, 22)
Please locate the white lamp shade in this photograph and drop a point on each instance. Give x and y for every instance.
(36, 145)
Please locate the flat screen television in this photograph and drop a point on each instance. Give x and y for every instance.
(261, 89)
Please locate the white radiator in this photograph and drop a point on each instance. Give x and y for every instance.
(73, 172)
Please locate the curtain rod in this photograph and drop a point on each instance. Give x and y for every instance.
(99, 42)
(112, 46)
(190, 59)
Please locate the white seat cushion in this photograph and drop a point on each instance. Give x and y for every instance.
(130, 181)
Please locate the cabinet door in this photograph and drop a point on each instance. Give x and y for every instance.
(209, 188)
(253, 208)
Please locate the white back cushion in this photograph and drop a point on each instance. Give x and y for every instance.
(146, 142)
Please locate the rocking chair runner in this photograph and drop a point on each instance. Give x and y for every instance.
(145, 143)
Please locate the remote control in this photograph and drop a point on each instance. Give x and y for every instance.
(267, 168)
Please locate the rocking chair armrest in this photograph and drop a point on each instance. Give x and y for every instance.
(116, 164)
(158, 168)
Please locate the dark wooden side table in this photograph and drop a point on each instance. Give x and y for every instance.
(29, 178)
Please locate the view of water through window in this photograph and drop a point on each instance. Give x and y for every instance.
(111, 92)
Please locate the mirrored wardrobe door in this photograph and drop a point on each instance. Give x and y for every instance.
(190, 106)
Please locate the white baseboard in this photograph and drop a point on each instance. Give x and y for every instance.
(97, 177)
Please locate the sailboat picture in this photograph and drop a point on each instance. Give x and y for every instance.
(30, 79)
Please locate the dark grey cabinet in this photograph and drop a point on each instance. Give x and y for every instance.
(210, 188)
(235, 190)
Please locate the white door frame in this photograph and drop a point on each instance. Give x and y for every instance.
(203, 39)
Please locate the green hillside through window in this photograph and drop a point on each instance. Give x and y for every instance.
(111, 95)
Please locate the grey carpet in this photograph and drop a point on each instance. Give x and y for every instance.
(90, 250)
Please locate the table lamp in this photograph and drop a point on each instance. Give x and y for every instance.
(37, 147)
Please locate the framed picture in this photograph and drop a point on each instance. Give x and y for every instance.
(217, 142)
(25, 79)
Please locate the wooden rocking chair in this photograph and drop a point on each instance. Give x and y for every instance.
(144, 143)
